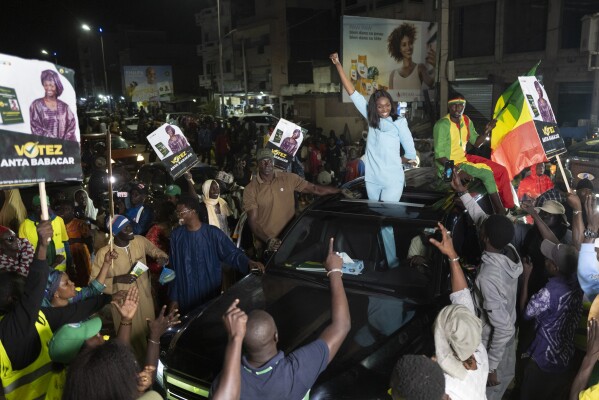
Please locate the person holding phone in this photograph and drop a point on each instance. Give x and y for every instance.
(451, 134)
(387, 132)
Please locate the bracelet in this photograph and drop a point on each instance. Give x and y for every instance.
(126, 323)
(454, 259)
(153, 341)
(335, 270)
(576, 212)
(460, 194)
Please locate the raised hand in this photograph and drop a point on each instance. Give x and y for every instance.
(446, 244)
(333, 260)
(164, 321)
(110, 255)
(128, 308)
(44, 233)
(235, 320)
(334, 58)
(145, 378)
(456, 182)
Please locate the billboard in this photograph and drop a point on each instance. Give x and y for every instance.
(148, 83)
(39, 131)
(394, 55)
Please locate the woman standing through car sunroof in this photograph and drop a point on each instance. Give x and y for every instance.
(387, 132)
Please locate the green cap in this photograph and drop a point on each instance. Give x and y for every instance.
(261, 154)
(68, 340)
(172, 190)
(36, 200)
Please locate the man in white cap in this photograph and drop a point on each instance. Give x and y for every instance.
(458, 335)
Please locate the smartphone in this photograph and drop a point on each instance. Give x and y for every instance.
(448, 171)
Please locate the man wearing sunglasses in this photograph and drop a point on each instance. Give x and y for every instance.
(16, 254)
(197, 251)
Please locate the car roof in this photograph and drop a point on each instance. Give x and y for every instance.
(586, 149)
(422, 199)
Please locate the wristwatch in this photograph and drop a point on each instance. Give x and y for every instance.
(589, 234)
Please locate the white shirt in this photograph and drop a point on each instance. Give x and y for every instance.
(474, 386)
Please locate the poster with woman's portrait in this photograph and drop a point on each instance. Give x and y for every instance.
(39, 131)
(173, 149)
(285, 141)
(394, 55)
(537, 100)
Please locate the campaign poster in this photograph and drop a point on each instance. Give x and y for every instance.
(148, 83)
(173, 149)
(39, 131)
(542, 115)
(285, 140)
(398, 56)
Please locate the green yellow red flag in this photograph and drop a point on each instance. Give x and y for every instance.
(515, 143)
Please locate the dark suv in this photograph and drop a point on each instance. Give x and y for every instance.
(393, 301)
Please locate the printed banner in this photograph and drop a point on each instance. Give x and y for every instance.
(152, 83)
(542, 115)
(395, 55)
(173, 149)
(285, 140)
(39, 130)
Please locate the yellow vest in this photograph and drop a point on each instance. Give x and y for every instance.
(37, 380)
(28, 230)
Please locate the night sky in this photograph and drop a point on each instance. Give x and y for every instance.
(27, 26)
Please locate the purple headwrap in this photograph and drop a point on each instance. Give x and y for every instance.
(52, 76)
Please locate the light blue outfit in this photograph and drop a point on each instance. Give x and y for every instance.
(384, 174)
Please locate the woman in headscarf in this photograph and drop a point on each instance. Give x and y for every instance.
(51, 117)
(60, 290)
(217, 209)
(13, 211)
(16, 254)
(84, 207)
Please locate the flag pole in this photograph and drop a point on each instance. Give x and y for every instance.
(561, 168)
(110, 193)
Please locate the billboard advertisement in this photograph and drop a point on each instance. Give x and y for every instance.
(39, 131)
(394, 55)
(148, 83)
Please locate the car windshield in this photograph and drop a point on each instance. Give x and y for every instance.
(119, 143)
(390, 254)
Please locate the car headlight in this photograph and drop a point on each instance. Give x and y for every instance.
(160, 374)
(140, 158)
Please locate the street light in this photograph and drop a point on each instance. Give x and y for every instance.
(86, 27)
(54, 54)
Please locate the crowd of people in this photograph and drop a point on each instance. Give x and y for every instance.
(515, 329)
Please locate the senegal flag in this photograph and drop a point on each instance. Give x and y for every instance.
(515, 143)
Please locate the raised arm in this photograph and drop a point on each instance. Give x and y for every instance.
(577, 221)
(335, 333)
(458, 280)
(127, 309)
(229, 386)
(347, 85)
(588, 362)
(544, 230)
